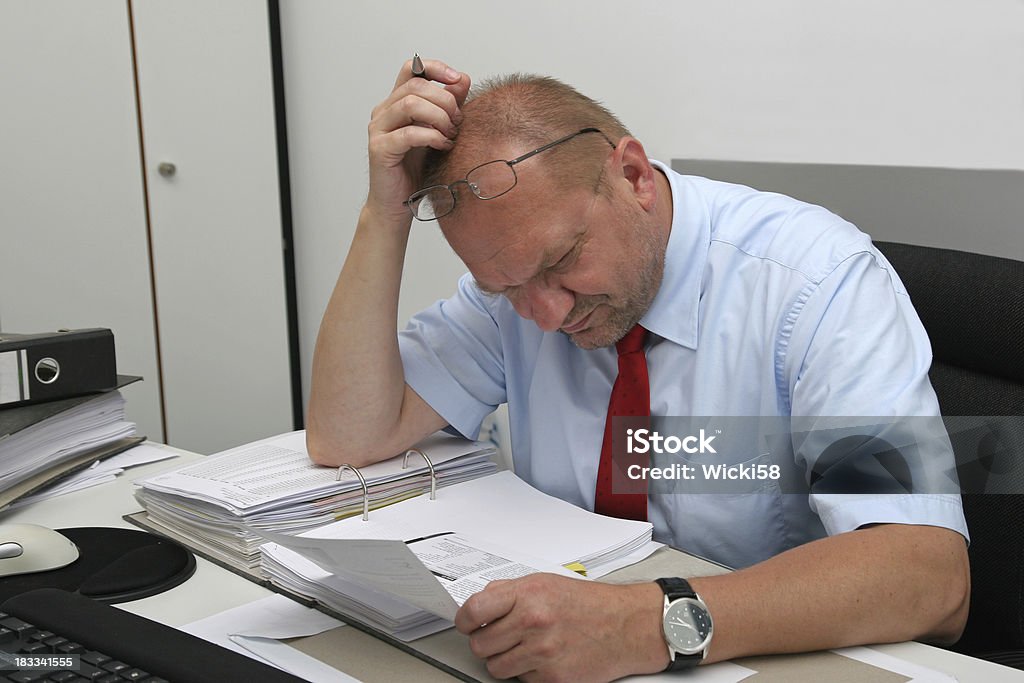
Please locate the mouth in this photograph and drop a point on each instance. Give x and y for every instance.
(579, 325)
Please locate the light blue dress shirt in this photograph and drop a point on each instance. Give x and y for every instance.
(768, 307)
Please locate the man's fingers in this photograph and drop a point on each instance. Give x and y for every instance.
(442, 97)
(460, 89)
(511, 664)
(390, 148)
(412, 110)
(494, 633)
(492, 603)
(455, 83)
(418, 114)
(433, 70)
(494, 639)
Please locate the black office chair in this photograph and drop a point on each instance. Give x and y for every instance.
(973, 308)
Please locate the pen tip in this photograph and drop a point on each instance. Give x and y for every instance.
(417, 65)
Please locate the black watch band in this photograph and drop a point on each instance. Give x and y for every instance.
(674, 589)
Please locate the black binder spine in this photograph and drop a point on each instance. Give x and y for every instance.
(46, 367)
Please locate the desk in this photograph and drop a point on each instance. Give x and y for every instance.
(213, 589)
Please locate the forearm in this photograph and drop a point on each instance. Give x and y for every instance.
(360, 409)
(358, 385)
(887, 583)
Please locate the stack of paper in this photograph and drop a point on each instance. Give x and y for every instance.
(29, 446)
(223, 501)
(514, 518)
(378, 609)
(99, 472)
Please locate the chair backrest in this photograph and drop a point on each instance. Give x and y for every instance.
(973, 309)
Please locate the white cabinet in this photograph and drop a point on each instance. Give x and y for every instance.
(186, 268)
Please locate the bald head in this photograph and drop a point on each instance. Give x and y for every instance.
(522, 112)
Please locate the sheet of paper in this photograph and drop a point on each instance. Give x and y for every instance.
(721, 672)
(465, 566)
(627, 560)
(504, 507)
(386, 565)
(437, 573)
(384, 611)
(285, 470)
(291, 660)
(247, 628)
(915, 672)
(274, 616)
(142, 454)
(100, 472)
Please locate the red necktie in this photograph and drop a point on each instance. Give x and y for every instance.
(631, 397)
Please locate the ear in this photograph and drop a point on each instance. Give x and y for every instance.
(636, 170)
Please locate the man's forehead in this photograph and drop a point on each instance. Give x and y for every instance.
(476, 152)
(532, 202)
(485, 236)
(514, 236)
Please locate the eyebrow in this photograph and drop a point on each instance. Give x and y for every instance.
(547, 263)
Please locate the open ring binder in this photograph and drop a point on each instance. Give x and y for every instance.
(430, 466)
(405, 465)
(366, 491)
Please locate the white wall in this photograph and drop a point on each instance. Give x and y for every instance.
(73, 247)
(915, 82)
(206, 98)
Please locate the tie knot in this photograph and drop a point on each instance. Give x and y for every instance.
(633, 341)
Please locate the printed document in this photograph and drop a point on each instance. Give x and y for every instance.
(437, 574)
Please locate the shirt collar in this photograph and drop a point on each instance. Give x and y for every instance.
(673, 314)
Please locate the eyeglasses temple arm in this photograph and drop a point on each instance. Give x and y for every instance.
(559, 141)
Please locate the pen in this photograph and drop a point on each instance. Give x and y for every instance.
(443, 576)
(417, 67)
(423, 538)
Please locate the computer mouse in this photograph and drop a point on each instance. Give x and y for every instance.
(26, 548)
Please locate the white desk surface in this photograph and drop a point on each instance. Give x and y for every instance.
(213, 589)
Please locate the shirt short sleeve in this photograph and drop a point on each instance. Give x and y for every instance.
(857, 348)
(452, 357)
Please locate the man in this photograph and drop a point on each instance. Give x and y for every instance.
(755, 305)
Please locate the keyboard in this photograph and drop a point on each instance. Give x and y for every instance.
(53, 635)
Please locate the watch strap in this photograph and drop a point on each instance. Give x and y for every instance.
(674, 589)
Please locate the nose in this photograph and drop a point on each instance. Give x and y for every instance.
(544, 304)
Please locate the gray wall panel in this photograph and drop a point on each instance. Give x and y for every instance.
(972, 210)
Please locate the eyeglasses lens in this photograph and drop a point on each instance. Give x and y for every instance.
(434, 203)
(491, 180)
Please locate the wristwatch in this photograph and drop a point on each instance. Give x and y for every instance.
(686, 624)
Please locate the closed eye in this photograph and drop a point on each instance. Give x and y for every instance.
(568, 260)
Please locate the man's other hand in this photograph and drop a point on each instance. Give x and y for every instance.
(546, 627)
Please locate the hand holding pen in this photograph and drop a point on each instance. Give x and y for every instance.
(416, 115)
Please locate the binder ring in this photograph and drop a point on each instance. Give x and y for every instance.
(430, 465)
(362, 482)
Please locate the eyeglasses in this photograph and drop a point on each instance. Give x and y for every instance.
(486, 181)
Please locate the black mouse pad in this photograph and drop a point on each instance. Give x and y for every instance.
(114, 565)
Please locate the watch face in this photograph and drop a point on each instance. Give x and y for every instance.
(687, 626)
